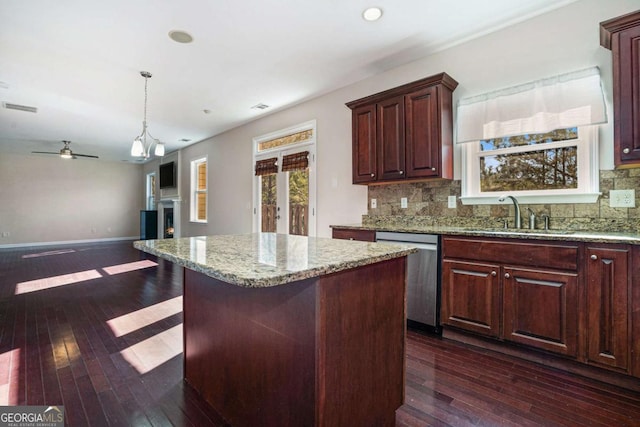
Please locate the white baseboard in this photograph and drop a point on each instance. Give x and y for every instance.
(67, 242)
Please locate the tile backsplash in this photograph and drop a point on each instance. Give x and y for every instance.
(427, 205)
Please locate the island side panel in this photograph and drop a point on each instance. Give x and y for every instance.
(361, 347)
(250, 352)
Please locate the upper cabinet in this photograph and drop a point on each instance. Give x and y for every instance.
(622, 36)
(405, 132)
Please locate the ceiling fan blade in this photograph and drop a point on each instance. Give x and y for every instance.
(45, 152)
(86, 155)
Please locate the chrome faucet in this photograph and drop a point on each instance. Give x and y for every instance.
(518, 219)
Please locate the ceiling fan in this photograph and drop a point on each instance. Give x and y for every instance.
(66, 152)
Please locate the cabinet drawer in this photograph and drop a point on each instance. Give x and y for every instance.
(533, 254)
(350, 234)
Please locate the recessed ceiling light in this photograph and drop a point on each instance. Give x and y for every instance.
(185, 140)
(180, 36)
(372, 14)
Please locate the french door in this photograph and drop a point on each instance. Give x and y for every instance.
(285, 201)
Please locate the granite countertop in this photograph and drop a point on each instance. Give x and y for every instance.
(268, 259)
(559, 235)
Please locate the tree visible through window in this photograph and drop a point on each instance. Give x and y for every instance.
(529, 162)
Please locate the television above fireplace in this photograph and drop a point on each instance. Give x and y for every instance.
(168, 175)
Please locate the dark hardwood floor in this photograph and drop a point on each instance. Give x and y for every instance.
(96, 328)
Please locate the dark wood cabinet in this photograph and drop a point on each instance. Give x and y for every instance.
(471, 297)
(541, 309)
(364, 162)
(622, 36)
(405, 132)
(608, 306)
(390, 136)
(353, 234)
(524, 292)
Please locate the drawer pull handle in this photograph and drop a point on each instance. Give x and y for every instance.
(494, 274)
(594, 257)
(507, 275)
(625, 151)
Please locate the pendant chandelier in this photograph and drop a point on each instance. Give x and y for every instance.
(141, 147)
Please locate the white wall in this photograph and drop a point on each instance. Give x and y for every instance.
(49, 199)
(558, 42)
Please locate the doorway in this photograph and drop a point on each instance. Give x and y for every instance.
(284, 185)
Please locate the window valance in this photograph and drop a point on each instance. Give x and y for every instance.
(267, 166)
(297, 161)
(567, 100)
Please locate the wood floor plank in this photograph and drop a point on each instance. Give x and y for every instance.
(62, 351)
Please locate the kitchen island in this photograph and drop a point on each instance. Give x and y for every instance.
(284, 330)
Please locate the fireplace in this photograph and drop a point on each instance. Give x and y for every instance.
(169, 218)
(168, 223)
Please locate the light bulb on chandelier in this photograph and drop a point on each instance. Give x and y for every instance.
(140, 147)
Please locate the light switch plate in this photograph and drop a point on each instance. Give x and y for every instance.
(622, 198)
(403, 202)
(374, 203)
(451, 202)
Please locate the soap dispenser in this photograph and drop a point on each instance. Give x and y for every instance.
(532, 219)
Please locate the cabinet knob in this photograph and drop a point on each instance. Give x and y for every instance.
(625, 151)
(401, 172)
(350, 238)
(507, 275)
(433, 169)
(494, 274)
(594, 257)
(372, 175)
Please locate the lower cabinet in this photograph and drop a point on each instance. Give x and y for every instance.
(513, 296)
(608, 306)
(575, 299)
(353, 234)
(541, 309)
(471, 297)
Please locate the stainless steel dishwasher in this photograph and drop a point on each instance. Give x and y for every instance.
(423, 278)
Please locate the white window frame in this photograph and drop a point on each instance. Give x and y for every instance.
(308, 145)
(193, 214)
(588, 173)
(151, 200)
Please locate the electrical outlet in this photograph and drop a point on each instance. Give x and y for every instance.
(403, 203)
(622, 198)
(6, 234)
(374, 203)
(451, 201)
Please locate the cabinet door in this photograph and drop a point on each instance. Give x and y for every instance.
(364, 144)
(608, 307)
(422, 128)
(471, 297)
(390, 135)
(351, 234)
(541, 309)
(627, 97)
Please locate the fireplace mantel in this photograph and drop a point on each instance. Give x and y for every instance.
(167, 204)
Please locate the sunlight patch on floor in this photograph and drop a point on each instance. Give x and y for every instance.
(9, 370)
(130, 266)
(55, 281)
(138, 319)
(153, 352)
(49, 253)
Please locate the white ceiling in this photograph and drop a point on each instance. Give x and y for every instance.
(79, 61)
